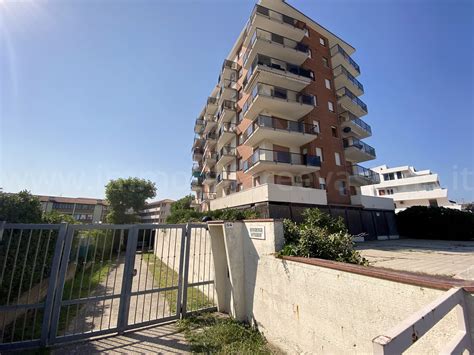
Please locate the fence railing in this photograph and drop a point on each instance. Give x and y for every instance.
(400, 338)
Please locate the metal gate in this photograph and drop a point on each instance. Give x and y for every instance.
(99, 279)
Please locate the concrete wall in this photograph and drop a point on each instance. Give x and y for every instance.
(308, 308)
(373, 202)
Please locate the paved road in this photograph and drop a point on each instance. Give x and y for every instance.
(434, 257)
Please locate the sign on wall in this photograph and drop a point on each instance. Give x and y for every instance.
(257, 232)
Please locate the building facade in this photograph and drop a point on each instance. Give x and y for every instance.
(409, 187)
(283, 125)
(156, 212)
(84, 210)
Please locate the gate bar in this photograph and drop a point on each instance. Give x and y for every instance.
(184, 299)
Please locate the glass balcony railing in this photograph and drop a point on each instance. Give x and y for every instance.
(278, 124)
(212, 100)
(357, 170)
(362, 125)
(266, 155)
(211, 136)
(277, 93)
(226, 150)
(208, 196)
(338, 49)
(228, 127)
(225, 175)
(357, 143)
(274, 38)
(209, 175)
(340, 70)
(346, 92)
(277, 64)
(277, 16)
(196, 182)
(229, 64)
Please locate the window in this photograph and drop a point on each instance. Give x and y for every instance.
(316, 127)
(315, 100)
(256, 181)
(322, 183)
(399, 175)
(326, 62)
(319, 153)
(337, 157)
(327, 82)
(342, 187)
(433, 203)
(322, 41)
(330, 106)
(389, 176)
(310, 54)
(381, 192)
(239, 187)
(334, 131)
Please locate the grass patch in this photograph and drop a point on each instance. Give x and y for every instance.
(208, 333)
(164, 276)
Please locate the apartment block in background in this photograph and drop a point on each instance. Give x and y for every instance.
(156, 212)
(408, 187)
(84, 210)
(282, 129)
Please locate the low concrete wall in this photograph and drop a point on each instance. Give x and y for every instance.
(312, 308)
(382, 203)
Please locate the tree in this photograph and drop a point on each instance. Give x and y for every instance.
(55, 217)
(22, 207)
(127, 197)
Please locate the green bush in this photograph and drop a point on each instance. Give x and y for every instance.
(320, 236)
(435, 223)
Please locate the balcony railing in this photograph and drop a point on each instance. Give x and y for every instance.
(226, 150)
(277, 93)
(225, 175)
(278, 124)
(212, 100)
(208, 196)
(338, 49)
(277, 16)
(340, 70)
(357, 170)
(196, 182)
(227, 127)
(211, 136)
(274, 38)
(229, 64)
(357, 143)
(274, 63)
(346, 92)
(266, 155)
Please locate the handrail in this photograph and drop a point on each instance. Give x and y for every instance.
(401, 337)
(261, 154)
(357, 170)
(226, 150)
(340, 70)
(346, 92)
(357, 143)
(277, 16)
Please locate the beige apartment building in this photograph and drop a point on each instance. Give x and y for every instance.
(282, 129)
(156, 212)
(84, 210)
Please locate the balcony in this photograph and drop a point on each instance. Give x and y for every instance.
(207, 196)
(225, 134)
(342, 78)
(278, 101)
(276, 22)
(359, 175)
(229, 70)
(227, 111)
(358, 151)
(211, 141)
(197, 154)
(209, 178)
(351, 125)
(198, 141)
(272, 160)
(225, 178)
(196, 170)
(199, 125)
(340, 57)
(225, 155)
(210, 122)
(211, 106)
(276, 46)
(350, 102)
(210, 159)
(196, 184)
(278, 73)
(285, 132)
(228, 90)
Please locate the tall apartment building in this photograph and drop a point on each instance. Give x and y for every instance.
(283, 125)
(156, 212)
(84, 210)
(408, 187)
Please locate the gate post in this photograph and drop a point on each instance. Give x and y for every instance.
(54, 295)
(185, 271)
(124, 308)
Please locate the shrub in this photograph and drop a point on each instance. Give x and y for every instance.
(435, 223)
(320, 236)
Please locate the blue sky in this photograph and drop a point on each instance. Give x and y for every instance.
(92, 90)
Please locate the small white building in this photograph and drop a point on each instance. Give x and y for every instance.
(409, 187)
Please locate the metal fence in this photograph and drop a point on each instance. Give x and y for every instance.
(64, 282)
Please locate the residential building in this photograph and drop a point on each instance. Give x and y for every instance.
(156, 212)
(84, 210)
(283, 125)
(409, 187)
